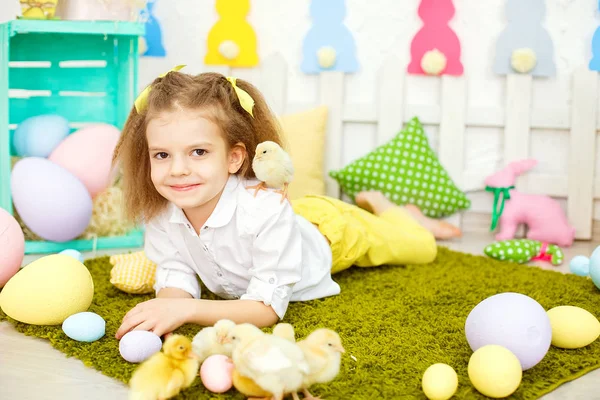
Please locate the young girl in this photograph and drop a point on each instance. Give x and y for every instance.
(186, 155)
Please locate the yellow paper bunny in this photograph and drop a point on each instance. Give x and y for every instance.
(232, 40)
(38, 9)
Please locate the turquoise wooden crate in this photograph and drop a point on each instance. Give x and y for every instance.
(83, 70)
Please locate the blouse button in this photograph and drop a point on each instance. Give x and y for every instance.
(271, 281)
(219, 274)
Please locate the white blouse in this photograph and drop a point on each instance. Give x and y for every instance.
(250, 248)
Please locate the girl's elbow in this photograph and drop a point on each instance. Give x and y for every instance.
(271, 317)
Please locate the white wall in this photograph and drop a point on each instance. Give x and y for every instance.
(386, 27)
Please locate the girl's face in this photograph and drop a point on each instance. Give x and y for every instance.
(190, 161)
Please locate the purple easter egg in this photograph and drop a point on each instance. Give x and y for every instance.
(514, 321)
(138, 346)
(51, 201)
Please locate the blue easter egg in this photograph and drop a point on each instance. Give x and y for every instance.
(38, 136)
(595, 267)
(84, 326)
(73, 253)
(580, 265)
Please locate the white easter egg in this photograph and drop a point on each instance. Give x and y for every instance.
(138, 346)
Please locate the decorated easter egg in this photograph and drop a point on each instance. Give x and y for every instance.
(73, 253)
(439, 382)
(87, 154)
(84, 327)
(51, 201)
(38, 136)
(573, 327)
(512, 320)
(495, 371)
(138, 346)
(12, 246)
(48, 291)
(216, 373)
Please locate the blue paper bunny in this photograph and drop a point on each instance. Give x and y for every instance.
(153, 35)
(328, 30)
(595, 61)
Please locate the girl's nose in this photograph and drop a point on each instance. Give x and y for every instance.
(179, 167)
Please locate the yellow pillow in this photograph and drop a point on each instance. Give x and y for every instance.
(304, 136)
(133, 273)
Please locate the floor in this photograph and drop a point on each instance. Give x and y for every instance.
(31, 369)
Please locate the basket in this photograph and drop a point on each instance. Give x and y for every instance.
(52, 67)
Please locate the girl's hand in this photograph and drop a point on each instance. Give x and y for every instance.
(160, 316)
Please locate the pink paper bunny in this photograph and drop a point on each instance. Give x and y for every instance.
(544, 217)
(436, 33)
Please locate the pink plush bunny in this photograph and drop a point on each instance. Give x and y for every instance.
(544, 217)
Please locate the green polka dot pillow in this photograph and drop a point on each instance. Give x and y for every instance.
(407, 171)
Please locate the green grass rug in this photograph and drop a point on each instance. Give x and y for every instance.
(395, 321)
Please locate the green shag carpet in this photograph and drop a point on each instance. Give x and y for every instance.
(395, 321)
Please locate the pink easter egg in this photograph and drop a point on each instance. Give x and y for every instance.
(87, 154)
(12, 246)
(216, 373)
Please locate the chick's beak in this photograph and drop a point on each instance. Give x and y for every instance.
(222, 339)
(340, 348)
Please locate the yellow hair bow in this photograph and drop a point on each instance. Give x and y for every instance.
(141, 102)
(246, 101)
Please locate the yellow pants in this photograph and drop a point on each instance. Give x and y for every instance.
(360, 238)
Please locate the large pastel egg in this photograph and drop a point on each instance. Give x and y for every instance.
(573, 327)
(216, 373)
(51, 201)
(48, 291)
(512, 320)
(84, 327)
(38, 136)
(87, 154)
(12, 246)
(138, 346)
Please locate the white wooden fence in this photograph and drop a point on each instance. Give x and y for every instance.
(453, 117)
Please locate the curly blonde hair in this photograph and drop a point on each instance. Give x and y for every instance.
(210, 92)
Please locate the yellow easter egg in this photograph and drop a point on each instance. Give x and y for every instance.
(495, 371)
(573, 327)
(439, 382)
(48, 291)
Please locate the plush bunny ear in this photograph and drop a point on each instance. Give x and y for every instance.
(518, 167)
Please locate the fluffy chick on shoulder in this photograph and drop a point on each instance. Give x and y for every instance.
(165, 373)
(273, 167)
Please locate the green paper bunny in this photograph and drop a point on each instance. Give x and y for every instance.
(524, 250)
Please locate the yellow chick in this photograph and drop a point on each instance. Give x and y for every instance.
(273, 167)
(211, 340)
(286, 331)
(166, 373)
(276, 365)
(247, 386)
(323, 351)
